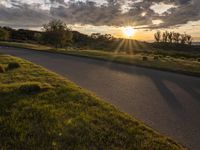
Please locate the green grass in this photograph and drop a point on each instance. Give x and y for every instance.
(168, 61)
(57, 114)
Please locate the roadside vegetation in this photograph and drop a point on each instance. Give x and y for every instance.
(171, 51)
(40, 110)
(180, 64)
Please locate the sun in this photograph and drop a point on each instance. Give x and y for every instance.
(128, 31)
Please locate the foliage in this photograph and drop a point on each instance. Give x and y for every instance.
(107, 42)
(175, 51)
(38, 37)
(57, 33)
(4, 34)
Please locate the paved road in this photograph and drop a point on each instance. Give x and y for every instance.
(167, 102)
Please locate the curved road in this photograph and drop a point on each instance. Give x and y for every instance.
(167, 102)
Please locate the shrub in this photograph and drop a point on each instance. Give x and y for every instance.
(183, 58)
(155, 57)
(13, 65)
(2, 70)
(30, 88)
(144, 58)
(198, 59)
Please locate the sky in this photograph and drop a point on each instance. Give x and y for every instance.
(106, 16)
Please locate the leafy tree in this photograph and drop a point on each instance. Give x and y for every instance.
(38, 37)
(57, 33)
(4, 34)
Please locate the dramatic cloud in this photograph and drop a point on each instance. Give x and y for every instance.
(100, 12)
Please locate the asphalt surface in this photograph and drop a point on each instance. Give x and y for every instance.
(167, 102)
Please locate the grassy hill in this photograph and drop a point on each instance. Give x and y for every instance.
(41, 110)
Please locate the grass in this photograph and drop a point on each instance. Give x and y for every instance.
(162, 61)
(57, 114)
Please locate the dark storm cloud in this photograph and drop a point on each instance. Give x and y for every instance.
(187, 10)
(110, 13)
(22, 15)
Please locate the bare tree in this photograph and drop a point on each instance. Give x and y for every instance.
(165, 36)
(157, 36)
(176, 37)
(170, 37)
(189, 39)
(183, 38)
(173, 37)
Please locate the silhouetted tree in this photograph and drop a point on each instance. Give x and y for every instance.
(183, 38)
(173, 37)
(189, 39)
(157, 36)
(170, 37)
(57, 33)
(165, 36)
(176, 37)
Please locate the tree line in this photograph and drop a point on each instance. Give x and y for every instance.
(55, 33)
(173, 37)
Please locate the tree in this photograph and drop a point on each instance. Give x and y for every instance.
(157, 36)
(4, 34)
(165, 36)
(173, 37)
(183, 38)
(38, 37)
(176, 37)
(57, 33)
(170, 37)
(95, 35)
(189, 39)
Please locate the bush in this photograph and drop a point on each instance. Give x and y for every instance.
(144, 58)
(198, 59)
(183, 58)
(13, 65)
(30, 88)
(2, 70)
(155, 57)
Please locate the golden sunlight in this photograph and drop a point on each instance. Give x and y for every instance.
(128, 31)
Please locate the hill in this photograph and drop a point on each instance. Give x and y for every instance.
(41, 110)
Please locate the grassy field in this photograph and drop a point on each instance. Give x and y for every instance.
(41, 110)
(157, 60)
